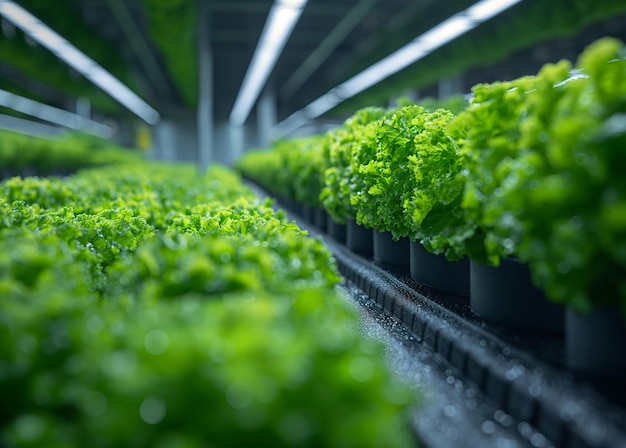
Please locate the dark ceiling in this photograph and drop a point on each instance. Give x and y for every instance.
(333, 39)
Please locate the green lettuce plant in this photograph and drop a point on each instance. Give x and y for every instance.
(432, 203)
(26, 155)
(152, 305)
(340, 178)
(492, 123)
(565, 191)
(389, 161)
(308, 170)
(275, 168)
(261, 166)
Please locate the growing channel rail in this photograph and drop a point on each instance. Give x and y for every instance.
(493, 386)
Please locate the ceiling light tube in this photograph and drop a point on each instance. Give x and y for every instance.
(381, 70)
(291, 123)
(27, 127)
(54, 115)
(282, 18)
(421, 46)
(323, 104)
(486, 9)
(445, 32)
(76, 59)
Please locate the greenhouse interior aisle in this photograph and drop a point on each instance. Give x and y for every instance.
(313, 223)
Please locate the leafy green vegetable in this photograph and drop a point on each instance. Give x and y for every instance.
(341, 178)
(24, 155)
(565, 191)
(433, 202)
(408, 166)
(492, 142)
(151, 305)
(382, 161)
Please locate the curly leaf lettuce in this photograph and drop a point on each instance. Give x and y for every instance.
(567, 192)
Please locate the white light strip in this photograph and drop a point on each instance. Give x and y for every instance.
(54, 115)
(415, 50)
(280, 22)
(28, 127)
(485, 10)
(323, 104)
(76, 59)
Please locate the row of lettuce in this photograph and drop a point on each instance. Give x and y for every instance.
(532, 168)
(150, 305)
(23, 155)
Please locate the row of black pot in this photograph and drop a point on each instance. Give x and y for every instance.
(594, 343)
(29, 171)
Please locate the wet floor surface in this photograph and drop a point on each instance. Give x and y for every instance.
(453, 411)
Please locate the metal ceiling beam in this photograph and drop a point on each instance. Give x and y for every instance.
(240, 6)
(256, 6)
(140, 47)
(42, 90)
(77, 60)
(328, 45)
(369, 45)
(245, 36)
(28, 127)
(54, 115)
(205, 119)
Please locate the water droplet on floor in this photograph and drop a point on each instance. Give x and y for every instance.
(450, 410)
(488, 427)
(534, 390)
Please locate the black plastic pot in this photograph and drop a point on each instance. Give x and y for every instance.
(390, 252)
(438, 272)
(506, 295)
(308, 213)
(595, 342)
(321, 219)
(336, 230)
(294, 206)
(359, 239)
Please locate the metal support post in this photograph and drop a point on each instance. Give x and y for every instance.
(236, 137)
(266, 117)
(451, 86)
(205, 89)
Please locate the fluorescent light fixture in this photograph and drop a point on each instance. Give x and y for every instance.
(485, 10)
(384, 68)
(445, 32)
(421, 46)
(27, 127)
(283, 16)
(291, 123)
(323, 104)
(76, 59)
(54, 115)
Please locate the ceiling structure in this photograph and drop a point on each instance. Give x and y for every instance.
(332, 41)
(329, 43)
